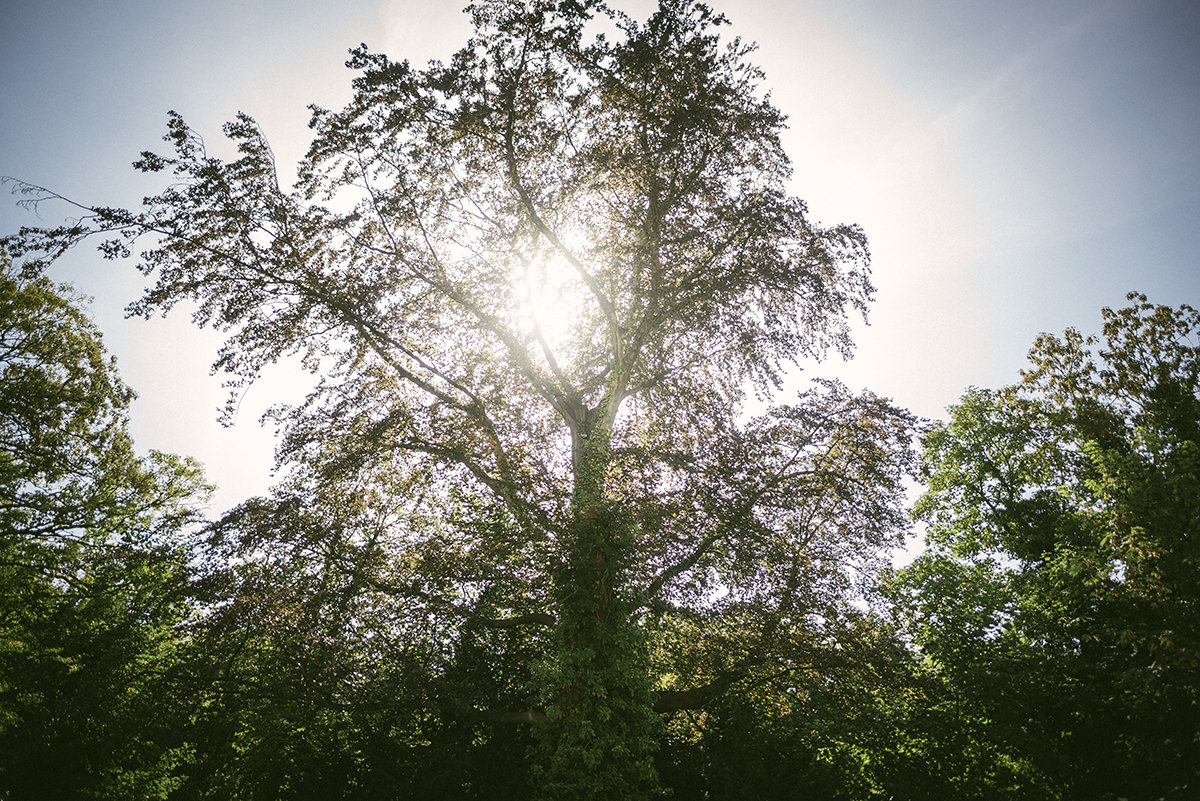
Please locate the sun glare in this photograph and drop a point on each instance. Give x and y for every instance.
(553, 301)
(550, 303)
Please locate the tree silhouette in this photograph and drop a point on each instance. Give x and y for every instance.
(592, 478)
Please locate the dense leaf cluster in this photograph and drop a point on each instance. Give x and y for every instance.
(1061, 587)
(94, 568)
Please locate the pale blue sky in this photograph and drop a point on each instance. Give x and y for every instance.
(1017, 165)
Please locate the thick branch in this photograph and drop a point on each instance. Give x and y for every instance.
(697, 697)
(535, 716)
(530, 619)
(469, 617)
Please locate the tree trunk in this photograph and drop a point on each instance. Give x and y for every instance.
(601, 728)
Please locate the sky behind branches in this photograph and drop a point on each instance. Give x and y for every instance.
(1016, 165)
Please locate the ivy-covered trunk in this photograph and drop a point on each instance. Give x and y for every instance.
(601, 728)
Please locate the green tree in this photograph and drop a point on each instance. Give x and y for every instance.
(93, 573)
(1062, 585)
(320, 680)
(657, 542)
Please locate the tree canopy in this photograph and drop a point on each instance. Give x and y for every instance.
(1061, 582)
(597, 476)
(94, 579)
(558, 513)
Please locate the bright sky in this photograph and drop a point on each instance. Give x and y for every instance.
(1017, 165)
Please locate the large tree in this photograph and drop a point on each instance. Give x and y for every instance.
(539, 282)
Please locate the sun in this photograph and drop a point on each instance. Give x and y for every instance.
(552, 302)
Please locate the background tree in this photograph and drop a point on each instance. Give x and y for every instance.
(319, 680)
(94, 581)
(1061, 587)
(566, 157)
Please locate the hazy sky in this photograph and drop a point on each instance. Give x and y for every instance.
(1016, 165)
